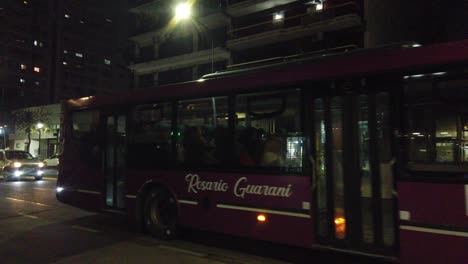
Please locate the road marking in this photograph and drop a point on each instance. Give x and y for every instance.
(28, 216)
(434, 231)
(188, 202)
(198, 254)
(24, 201)
(43, 189)
(50, 178)
(85, 229)
(88, 191)
(260, 210)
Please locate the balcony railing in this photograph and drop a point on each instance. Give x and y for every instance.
(296, 20)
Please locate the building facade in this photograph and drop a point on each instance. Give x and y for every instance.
(223, 34)
(55, 50)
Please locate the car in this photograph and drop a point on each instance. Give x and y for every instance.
(15, 164)
(51, 162)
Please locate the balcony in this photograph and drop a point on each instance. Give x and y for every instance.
(334, 18)
(247, 7)
(181, 61)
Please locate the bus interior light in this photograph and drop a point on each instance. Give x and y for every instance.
(261, 218)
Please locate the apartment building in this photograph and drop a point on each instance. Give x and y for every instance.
(220, 34)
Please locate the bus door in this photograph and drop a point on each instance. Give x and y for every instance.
(114, 160)
(352, 156)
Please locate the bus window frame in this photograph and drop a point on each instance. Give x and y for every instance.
(431, 170)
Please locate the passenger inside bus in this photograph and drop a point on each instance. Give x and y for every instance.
(197, 149)
(274, 153)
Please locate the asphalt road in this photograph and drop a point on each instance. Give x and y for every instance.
(36, 228)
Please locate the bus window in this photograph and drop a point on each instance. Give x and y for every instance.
(436, 120)
(268, 132)
(84, 124)
(150, 145)
(203, 134)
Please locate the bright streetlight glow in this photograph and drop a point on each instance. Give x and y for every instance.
(39, 125)
(183, 11)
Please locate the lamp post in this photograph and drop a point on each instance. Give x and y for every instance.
(183, 11)
(3, 131)
(39, 127)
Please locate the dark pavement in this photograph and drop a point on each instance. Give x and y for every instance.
(36, 228)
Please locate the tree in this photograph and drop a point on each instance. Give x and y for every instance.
(27, 119)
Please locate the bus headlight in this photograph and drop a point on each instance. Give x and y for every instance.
(59, 189)
(41, 164)
(17, 164)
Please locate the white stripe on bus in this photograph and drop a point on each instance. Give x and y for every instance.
(434, 231)
(260, 210)
(88, 191)
(188, 202)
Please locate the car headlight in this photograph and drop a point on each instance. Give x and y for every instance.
(41, 164)
(17, 164)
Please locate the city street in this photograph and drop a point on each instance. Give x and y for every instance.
(36, 228)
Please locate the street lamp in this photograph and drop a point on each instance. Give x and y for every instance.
(39, 126)
(183, 11)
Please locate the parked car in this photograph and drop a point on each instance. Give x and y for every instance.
(51, 162)
(15, 164)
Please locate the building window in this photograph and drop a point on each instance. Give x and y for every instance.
(65, 63)
(37, 83)
(35, 42)
(37, 69)
(65, 51)
(67, 16)
(107, 62)
(79, 55)
(24, 67)
(22, 80)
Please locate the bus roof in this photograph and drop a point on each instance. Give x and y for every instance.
(367, 62)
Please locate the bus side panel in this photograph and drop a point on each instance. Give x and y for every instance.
(434, 220)
(288, 217)
(432, 203)
(427, 248)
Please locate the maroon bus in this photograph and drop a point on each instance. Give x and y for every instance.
(363, 151)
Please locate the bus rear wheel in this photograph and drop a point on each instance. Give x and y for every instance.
(160, 214)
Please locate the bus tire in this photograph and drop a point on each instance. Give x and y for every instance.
(160, 214)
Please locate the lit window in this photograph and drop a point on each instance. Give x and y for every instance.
(24, 67)
(35, 43)
(79, 55)
(64, 63)
(41, 44)
(108, 20)
(279, 16)
(37, 69)
(22, 80)
(81, 21)
(25, 2)
(107, 62)
(37, 83)
(67, 16)
(65, 51)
